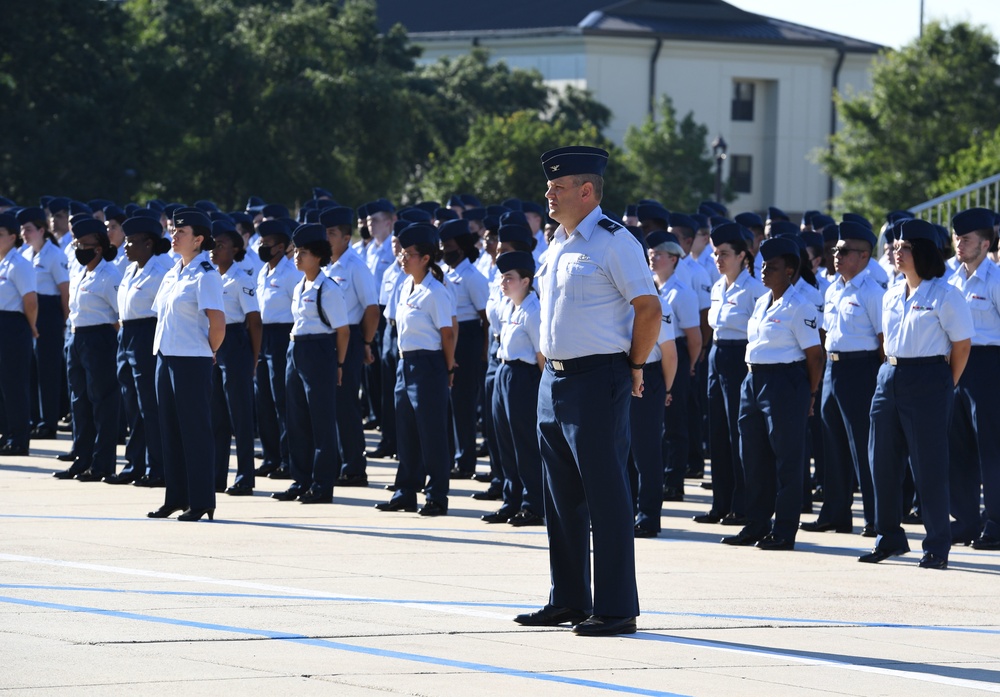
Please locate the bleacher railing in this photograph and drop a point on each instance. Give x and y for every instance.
(983, 194)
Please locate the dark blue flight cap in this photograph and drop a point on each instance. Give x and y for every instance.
(155, 204)
(848, 230)
(512, 232)
(206, 206)
(429, 206)
(821, 221)
(655, 239)
(784, 227)
(701, 220)
(456, 200)
(58, 204)
(362, 212)
(812, 239)
(290, 224)
(6, 202)
(515, 261)
(631, 211)
(89, 226)
(491, 222)
(9, 222)
(445, 214)
(774, 213)
(514, 218)
(855, 218)
(168, 210)
(146, 213)
(779, 246)
(973, 219)
(77, 207)
(311, 204)
(380, 205)
(323, 203)
(715, 221)
(418, 233)
(73, 219)
(532, 207)
(303, 212)
(713, 208)
(310, 232)
(944, 237)
(450, 229)
(652, 211)
(807, 217)
(681, 220)
(43, 201)
(218, 215)
(113, 212)
(99, 204)
(415, 215)
(339, 215)
(31, 215)
(274, 210)
(241, 217)
(474, 214)
(895, 216)
(575, 159)
(311, 216)
(831, 233)
(749, 219)
(131, 208)
(398, 226)
(194, 217)
(318, 192)
(497, 211)
(728, 233)
(910, 229)
(649, 201)
(513, 204)
(255, 204)
(470, 201)
(142, 225)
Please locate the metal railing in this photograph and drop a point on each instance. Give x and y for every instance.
(984, 194)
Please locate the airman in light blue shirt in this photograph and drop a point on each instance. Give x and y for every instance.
(927, 322)
(185, 293)
(275, 288)
(520, 332)
(306, 301)
(239, 294)
(853, 314)
(732, 306)
(982, 292)
(93, 296)
(423, 310)
(356, 282)
(780, 332)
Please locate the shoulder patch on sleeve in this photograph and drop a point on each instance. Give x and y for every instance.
(811, 323)
(668, 319)
(609, 225)
(207, 267)
(249, 291)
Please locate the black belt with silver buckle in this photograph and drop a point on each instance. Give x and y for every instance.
(576, 365)
(923, 360)
(837, 356)
(771, 367)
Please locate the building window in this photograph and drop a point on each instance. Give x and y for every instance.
(740, 169)
(743, 93)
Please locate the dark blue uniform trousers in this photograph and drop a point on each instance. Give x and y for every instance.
(311, 393)
(975, 449)
(184, 393)
(583, 431)
(48, 360)
(95, 396)
(489, 429)
(375, 377)
(350, 432)
(422, 427)
(646, 429)
(15, 378)
(848, 388)
(137, 376)
(727, 369)
(677, 430)
(389, 358)
(232, 406)
(515, 425)
(270, 377)
(910, 405)
(774, 408)
(465, 392)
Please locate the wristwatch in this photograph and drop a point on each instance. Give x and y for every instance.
(635, 366)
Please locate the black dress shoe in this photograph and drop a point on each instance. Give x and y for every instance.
(265, 470)
(316, 496)
(370, 424)
(89, 475)
(220, 488)
(150, 482)
(164, 512)
(826, 527)
(280, 473)
(932, 561)
(381, 452)
(550, 616)
(772, 542)
(240, 490)
(733, 519)
(500, 516)
(40, 433)
(524, 518)
(693, 473)
(194, 514)
(491, 494)
(964, 541)
(120, 478)
(708, 518)
(11, 450)
(433, 508)
(913, 518)
(352, 480)
(289, 494)
(484, 477)
(879, 554)
(67, 457)
(986, 542)
(868, 531)
(673, 494)
(817, 496)
(641, 532)
(397, 505)
(742, 539)
(599, 625)
(65, 426)
(390, 487)
(460, 474)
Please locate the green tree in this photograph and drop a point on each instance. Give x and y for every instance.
(928, 100)
(981, 159)
(670, 160)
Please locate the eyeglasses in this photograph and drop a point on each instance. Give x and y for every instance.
(844, 251)
(77, 245)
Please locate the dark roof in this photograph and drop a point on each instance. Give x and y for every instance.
(692, 20)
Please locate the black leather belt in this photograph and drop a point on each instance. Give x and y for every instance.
(576, 365)
(837, 356)
(923, 360)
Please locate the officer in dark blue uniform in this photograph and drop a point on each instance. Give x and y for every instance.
(785, 361)
(600, 319)
(975, 451)
(18, 315)
(91, 368)
(190, 327)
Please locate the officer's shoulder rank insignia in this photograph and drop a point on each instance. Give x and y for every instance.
(609, 225)
(207, 267)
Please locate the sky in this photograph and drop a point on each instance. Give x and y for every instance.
(887, 22)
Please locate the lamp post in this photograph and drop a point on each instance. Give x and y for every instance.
(719, 151)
